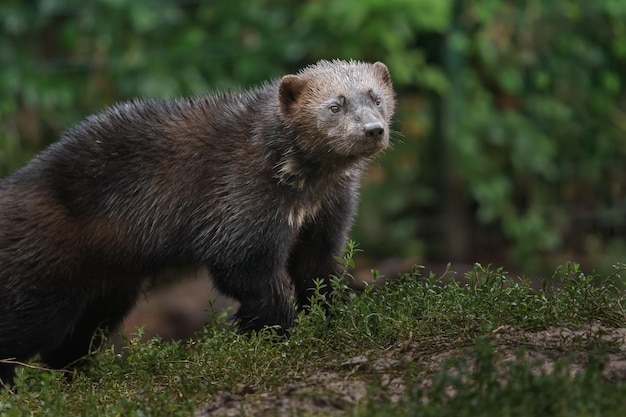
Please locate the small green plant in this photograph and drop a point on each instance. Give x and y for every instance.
(484, 344)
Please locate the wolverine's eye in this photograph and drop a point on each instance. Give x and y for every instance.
(337, 103)
(375, 97)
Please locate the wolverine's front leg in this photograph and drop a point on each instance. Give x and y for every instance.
(313, 258)
(320, 242)
(268, 306)
(265, 294)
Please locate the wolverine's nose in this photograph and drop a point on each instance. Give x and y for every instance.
(374, 130)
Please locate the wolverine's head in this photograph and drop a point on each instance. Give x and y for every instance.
(341, 107)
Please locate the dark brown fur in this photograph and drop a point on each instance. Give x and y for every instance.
(260, 187)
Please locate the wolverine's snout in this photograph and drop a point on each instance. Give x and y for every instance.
(374, 130)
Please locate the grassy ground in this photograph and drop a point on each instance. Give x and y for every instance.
(480, 345)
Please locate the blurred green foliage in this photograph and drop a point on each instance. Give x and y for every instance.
(513, 114)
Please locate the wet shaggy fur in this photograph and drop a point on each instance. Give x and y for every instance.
(259, 186)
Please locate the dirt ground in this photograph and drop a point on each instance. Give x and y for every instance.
(332, 391)
(179, 311)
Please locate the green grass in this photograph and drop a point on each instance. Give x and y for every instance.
(480, 345)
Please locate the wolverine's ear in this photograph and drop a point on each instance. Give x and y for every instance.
(381, 70)
(290, 90)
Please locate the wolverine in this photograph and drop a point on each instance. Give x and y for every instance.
(258, 186)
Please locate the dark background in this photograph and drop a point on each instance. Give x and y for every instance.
(511, 122)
